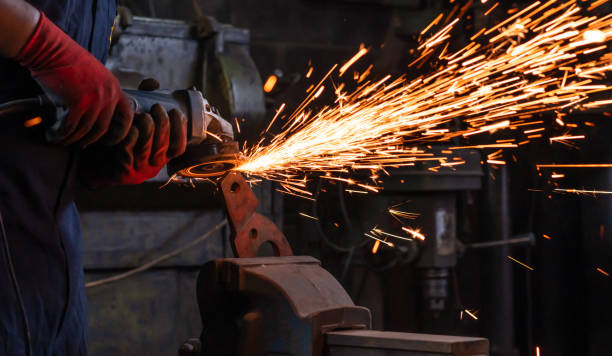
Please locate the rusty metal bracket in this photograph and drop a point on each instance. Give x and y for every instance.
(250, 230)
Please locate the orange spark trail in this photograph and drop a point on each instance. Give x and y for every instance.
(532, 62)
(520, 263)
(471, 314)
(578, 165)
(582, 191)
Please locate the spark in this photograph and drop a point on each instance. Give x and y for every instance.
(32, 122)
(433, 23)
(278, 112)
(563, 138)
(362, 52)
(489, 128)
(396, 213)
(213, 136)
(530, 63)
(471, 314)
(270, 83)
(598, 103)
(603, 272)
(309, 73)
(534, 130)
(450, 164)
(237, 124)
(498, 145)
(390, 244)
(415, 233)
(546, 237)
(377, 231)
(582, 191)
(578, 165)
(355, 191)
(520, 263)
(308, 216)
(318, 92)
(375, 247)
(491, 9)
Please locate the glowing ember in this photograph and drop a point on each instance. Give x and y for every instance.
(530, 63)
(375, 247)
(33, 122)
(270, 83)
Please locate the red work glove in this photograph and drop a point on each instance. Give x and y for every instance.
(154, 140)
(90, 91)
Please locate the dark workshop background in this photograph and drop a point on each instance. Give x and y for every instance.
(564, 306)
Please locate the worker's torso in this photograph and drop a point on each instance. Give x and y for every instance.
(36, 201)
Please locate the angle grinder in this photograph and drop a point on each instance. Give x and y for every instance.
(211, 150)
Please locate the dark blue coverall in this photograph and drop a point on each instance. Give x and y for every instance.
(37, 182)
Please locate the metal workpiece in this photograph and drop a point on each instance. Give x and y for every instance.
(272, 306)
(385, 343)
(250, 230)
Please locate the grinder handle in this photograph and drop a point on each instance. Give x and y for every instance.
(141, 101)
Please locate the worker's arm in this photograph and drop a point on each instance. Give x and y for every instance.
(97, 105)
(56, 61)
(18, 19)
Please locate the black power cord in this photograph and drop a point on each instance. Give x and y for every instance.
(11, 268)
(22, 106)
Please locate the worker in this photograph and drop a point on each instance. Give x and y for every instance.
(60, 45)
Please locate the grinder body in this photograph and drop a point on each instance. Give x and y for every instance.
(211, 150)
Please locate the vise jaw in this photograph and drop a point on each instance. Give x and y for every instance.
(272, 306)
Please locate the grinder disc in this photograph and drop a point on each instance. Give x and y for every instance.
(214, 167)
(206, 160)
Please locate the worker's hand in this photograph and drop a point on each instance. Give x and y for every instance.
(97, 105)
(153, 140)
